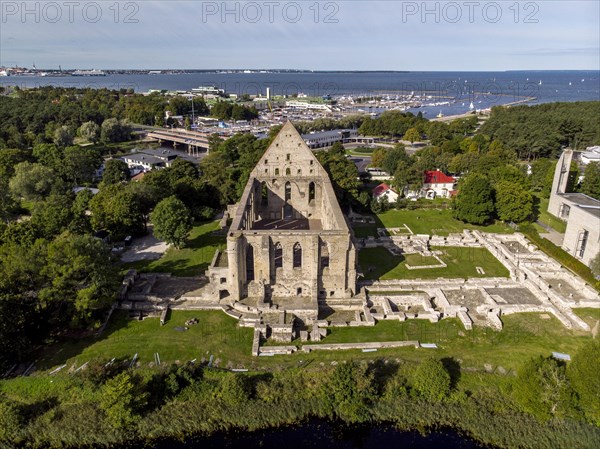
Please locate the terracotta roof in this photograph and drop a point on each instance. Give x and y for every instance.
(381, 189)
(437, 177)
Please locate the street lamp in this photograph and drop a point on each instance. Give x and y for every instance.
(193, 121)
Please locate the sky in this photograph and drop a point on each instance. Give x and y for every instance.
(465, 35)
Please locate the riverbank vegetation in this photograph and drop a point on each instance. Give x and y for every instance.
(108, 403)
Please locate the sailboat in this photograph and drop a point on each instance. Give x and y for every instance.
(440, 115)
(471, 107)
(540, 83)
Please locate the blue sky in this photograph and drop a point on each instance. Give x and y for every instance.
(344, 35)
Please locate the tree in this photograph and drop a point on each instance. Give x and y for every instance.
(378, 157)
(52, 216)
(83, 278)
(49, 155)
(350, 390)
(539, 174)
(431, 380)
(412, 135)
(90, 131)
(115, 171)
(542, 388)
(172, 221)
(117, 210)
(120, 399)
(513, 202)
(591, 181)
(583, 374)
(80, 164)
(62, 137)
(474, 203)
(114, 130)
(33, 181)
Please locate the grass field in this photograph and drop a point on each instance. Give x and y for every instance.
(192, 260)
(524, 336)
(378, 263)
(216, 333)
(547, 218)
(425, 221)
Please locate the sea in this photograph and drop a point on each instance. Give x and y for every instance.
(450, 93)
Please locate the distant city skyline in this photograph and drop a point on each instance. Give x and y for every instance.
(305, 35)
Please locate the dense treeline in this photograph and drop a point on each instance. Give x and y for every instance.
(107, 403)
(542, 130)
(226, 111)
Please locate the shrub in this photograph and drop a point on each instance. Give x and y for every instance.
(431, 380)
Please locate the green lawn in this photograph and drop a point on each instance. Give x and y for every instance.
(524, 335)
(548, 219)
(418, 260)
(378, 263)
(216, 333)
(192, 260)
(425, 221)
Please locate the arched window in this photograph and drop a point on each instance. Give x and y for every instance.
(264, 194)
(324, 254)
(278, 255)
(297, 255)
(288, 172)
(311, 192)
(249, 263)
(276, 172)
(288, 191)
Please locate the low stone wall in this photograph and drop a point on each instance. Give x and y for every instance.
(370, 345)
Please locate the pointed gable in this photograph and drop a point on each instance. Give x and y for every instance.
(438, 177)
(288, 155)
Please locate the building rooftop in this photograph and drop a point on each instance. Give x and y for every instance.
(582, 199)
(143, 158)
(437, 177)
(321, 134)
(381, 189)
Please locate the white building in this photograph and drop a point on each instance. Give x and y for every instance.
(385, 191)
(438, 184)
(327, 138)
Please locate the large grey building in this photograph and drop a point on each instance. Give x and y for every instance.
(581, 212)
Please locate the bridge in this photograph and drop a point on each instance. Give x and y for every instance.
(197, 142)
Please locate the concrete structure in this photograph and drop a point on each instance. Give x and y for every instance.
(289, 245)
(327, 138)
(385, 191)
(305, 105)
(581, 212)
(151, 158)
(438, 184)
(591, 154)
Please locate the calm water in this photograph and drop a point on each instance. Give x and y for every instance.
(322, 435)
(459, 89)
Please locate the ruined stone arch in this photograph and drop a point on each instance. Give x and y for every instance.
(249, 263)
(278, 255)
(297, 255)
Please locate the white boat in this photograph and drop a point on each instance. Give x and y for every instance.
(471, 107)
(440, 115)
(540, 83)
